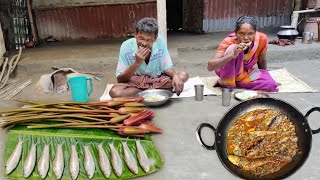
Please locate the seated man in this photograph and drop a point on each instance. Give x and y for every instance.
(144, 62)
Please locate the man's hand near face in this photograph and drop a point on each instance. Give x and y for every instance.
(142, 54)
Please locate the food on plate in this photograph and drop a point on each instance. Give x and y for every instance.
(245, 95)
(262, 141)
(154, 97)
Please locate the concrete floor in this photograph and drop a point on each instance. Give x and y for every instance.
(184, 157)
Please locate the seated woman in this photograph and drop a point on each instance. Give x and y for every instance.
(238, 53)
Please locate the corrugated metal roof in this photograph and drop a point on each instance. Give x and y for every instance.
(92, 22)
(221, 15)
(45, 4)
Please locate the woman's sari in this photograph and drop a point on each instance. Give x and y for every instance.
(240, 71)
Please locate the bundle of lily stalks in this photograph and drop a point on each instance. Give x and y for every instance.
(126, 116)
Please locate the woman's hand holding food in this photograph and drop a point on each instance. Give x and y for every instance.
(239, 48)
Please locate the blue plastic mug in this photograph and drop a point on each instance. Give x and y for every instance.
(79, 88)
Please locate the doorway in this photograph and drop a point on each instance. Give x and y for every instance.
(185, 15)
(174, 15)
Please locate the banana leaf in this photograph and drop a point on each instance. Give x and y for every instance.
(79, 137)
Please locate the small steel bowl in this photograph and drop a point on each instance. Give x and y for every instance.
(167, 94)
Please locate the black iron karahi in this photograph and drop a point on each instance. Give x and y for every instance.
(303, 131)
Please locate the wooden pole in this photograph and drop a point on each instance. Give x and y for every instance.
(33, 28)
(318, 23)
(2, 46)
(297, 5)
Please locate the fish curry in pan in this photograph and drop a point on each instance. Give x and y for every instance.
(262, 141)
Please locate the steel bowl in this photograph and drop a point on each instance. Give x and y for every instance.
(154, 92)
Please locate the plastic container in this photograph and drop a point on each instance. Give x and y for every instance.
(313, 4)
(79, 88)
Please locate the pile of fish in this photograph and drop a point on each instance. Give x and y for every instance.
(58, 164)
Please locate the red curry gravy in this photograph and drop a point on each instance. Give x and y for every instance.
(262, 141)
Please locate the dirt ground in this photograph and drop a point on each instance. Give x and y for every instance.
(190, 52)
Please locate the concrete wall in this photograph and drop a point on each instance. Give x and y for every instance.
(162, 18)
(2, 45)
(45, 4)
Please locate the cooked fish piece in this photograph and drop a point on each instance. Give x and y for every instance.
(43, 163)
(250, 118)
(262, 133)
(30, 161)
(89, 165)
(116, 161)
(104, 162)
(264, 115)
(293, 139)
(246, 164)
(142, 157)
(270, 117)
(58, 162)
(277, 120)
(74, 163)
(14, 157)
(129, 158)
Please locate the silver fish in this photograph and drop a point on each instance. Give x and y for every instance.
(58, 162)
(104, 162)
(129, 158)
(89, 165)
(142, 157)
(43, 163)
(14, 157)
(115, 160)
(74, 163)
(30, 161)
